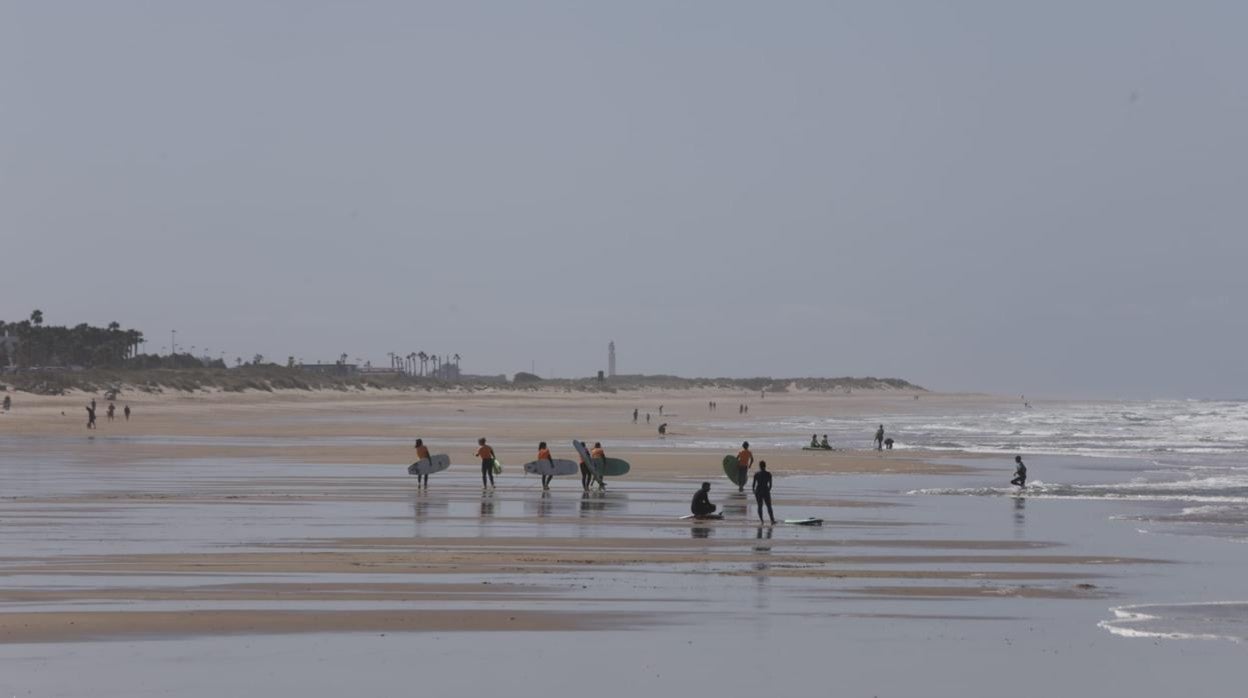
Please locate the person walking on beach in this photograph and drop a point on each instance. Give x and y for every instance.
(598, 454)
(634, 415)
(744, 460)
(486, 454)
(112, 411)
(91, 415)
(647, 418)
(1020, 472)
(701, 505)
(762, 491)
(879, 438)
(422, 453)
(126, 412)
(587, 475)
(543, 453)
(660, 410)
(8, 402)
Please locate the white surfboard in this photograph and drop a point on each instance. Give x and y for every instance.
(432, 464)
(558, 466)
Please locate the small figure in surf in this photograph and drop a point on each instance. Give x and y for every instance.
(1020, 472)
(422, 453)
(8, 402)
(486, 454)
(744, 460)
(660, 410)
(663, 429)
(91, 415)
(647, 418)
(879, 438)
(634, 415)
(126, 412)
(814, 441)
(111, 413)
(543, 453)
(762, 491)
(701, 505)
(888, 443)
(824, 443)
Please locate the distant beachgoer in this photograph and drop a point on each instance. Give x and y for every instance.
(879, 438)
(660, 410)
(587, 475)
(8, 402)
(486, 454)
(814, 441)
(600, 455)
(747, 409)
(824, 443)
(647, 418)
(744, 460)
(762, 491)
(701, 504)
(663, 429)
(91, 415)
(111, 412)
(634, 415)
(543, 453)
(888, 443)
(422, 453)
(1020, 472)
(126, 412)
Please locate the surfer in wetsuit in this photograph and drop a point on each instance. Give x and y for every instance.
(701, 505)
(744, 460)
(422, 453)
(486, 454)
(91, 415)
(1020, 472)
(824, 443)
(762, 491)
(663, 429)
(814, 441)
(879, 438)
(127, 412)
(543, 453)
(598, 454)
(587, 476)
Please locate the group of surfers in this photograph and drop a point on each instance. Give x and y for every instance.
(701, 506)
(489, 464)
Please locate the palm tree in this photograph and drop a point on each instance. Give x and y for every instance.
(456, 357)
(424, 361)
(36, 318)
(391, 355)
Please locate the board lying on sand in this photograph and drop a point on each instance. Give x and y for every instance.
(733, 470)
(432, 464)
(805, 522)
(691, 517)
(558, 466)
(609, 467)
(817, 448)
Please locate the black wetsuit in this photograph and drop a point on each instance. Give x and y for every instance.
(586, 476)
(90, 417)
(762, 494)
(701, 505)
(1020, 476)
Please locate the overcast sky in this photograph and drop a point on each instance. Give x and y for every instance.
(1047, 198)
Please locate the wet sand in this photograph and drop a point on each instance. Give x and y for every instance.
(217, 516)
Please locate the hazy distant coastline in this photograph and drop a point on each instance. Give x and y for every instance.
(268, 378)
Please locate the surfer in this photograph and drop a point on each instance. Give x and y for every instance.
(422, 453)
(486, 454)
(814, 441)
(8, 402)
(879, 438)
(824, 443)
(888, 443)
(586, 475)
(701, 505)
(597, 453)
(744, 460)
(663, 429)
(112, 411)
(91, 415)
(1020, 472)
(634, 415)
(762, 491)
(543, 453)
(126, 412)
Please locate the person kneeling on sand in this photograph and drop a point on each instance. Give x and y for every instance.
(1020, 472)
(701, 505)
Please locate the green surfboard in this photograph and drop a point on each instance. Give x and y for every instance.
(731, 470)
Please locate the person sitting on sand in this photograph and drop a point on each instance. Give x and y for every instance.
(543, 453)
(486, 454)
(824, 443)
(701, 505)
(1020, 472)
(814, 441)
(422, 453)
(744, 460)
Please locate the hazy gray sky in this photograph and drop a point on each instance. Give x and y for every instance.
(1018, 197)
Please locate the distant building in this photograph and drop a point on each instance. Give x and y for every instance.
(611, 359)
(336, 369)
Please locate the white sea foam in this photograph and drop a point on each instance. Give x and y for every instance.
(1211, 620)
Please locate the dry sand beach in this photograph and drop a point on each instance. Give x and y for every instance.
(261, 543)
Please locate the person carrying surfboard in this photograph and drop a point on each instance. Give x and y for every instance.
(701, 504)
(422, 453)
(543, 453)
(598, 454)
(586, 475)
(486, 454)
(762, 491)
(744, 460)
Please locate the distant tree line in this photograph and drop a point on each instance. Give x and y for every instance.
(38, 344)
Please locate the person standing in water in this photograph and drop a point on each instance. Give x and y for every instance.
(762, 491)
(112, 411)
(91, 415)
(422, 453)
(543, 453)
(126, 412)
(744, 460)
(701, 505)
(486, 454)
(1020, 472)
(879, 438)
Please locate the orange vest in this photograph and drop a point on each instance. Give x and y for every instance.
(422, 452)
(743, 458)
(544, 454)
(597, 453)
(485, 452)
